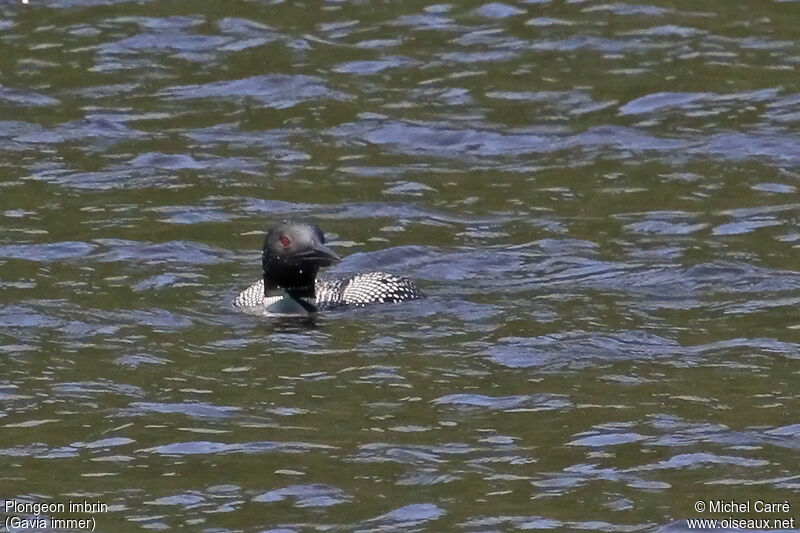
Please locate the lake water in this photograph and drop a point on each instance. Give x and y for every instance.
(599, 199)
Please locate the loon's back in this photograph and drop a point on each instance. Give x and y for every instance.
(356, 291)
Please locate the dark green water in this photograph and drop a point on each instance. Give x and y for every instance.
(600, 200)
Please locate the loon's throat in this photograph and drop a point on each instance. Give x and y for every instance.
(289, 288)
(297, 281)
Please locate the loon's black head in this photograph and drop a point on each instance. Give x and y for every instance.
(293, 254)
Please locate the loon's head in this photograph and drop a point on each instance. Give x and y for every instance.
(293, 254)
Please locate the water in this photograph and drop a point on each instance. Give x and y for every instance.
(600, 200)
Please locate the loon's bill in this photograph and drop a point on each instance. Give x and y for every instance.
(292, 255)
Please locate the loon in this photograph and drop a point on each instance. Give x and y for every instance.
(292, 255)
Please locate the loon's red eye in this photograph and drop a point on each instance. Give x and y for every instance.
(285, 241)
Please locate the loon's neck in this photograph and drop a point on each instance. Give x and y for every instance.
(290, 289)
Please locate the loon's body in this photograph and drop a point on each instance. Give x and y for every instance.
(292, 255)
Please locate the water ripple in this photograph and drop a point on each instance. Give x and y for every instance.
(25, 98)
(316, 495)
(220, 448)
(46, 252)
(149, 253)
(580, 349)
(403, 518)
(276, 91)
(194, 409)
(534, 402)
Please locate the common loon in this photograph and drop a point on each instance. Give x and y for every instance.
(292, 255)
